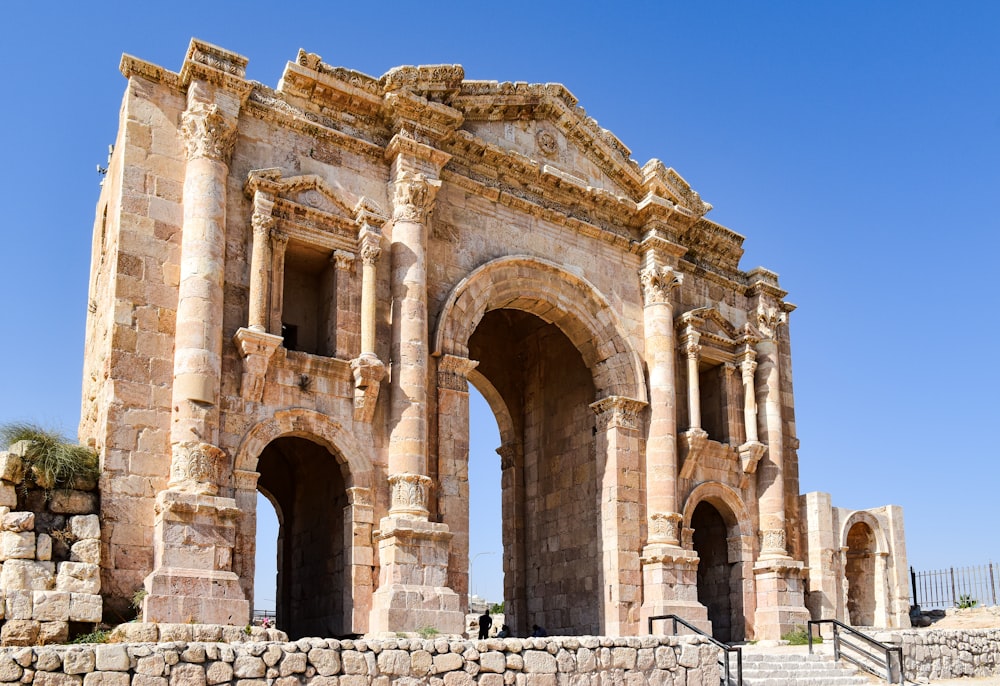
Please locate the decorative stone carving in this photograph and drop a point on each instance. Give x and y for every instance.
(208, 132)
(657, 283)
(547, 143)
(413, 197)
(262, 218)
(342, 260)
(453, 372)
(359, 497)
(508, 456)
(772, 541)
(617, 412)
(769, 318)
(368, 374)
(256, 348)
(409, 494)
(195, 468)
(693, 444)
(664, 527)
(750, 454)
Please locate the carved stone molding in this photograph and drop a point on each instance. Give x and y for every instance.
(769, 318)
(453, 372)
(409, 494)
(245, 480)
(279, 239)
(368, 374)
(772, 542)
(256, 348)
(263, 206)
(750, 454)
(196, 467)
(693, 444)
(371, 247)
(208, 132)
(508, 456)
(665, 527)
(342, 259)
(747, 369)
(413, 197)
(359, 497)
(617, 412)
(657, 284)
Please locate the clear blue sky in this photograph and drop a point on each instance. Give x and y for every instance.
(855, 144)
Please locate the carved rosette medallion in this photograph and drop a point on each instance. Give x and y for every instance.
(453, 372)
(208, 132)
(413, 197)
(657, 283)
(547, 143)
(617, 412)
(195, 467)
(665, 528)
(409, 493)
(772, 541)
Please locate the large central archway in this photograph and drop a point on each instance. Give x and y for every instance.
(548, 346)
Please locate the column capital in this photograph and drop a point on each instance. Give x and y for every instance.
(657, 284)
(371, 247)
(665, 527)
(342, 259)
(196, 467)
(279, 238)
(208, 132)
(691, 347)
(453, 372)
(772, 543)
(768, 318)
(413, 195)
(262, 218)
(617, 412)
(508, 456)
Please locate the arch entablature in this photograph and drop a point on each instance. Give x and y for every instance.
(729, 504)
(865, 517)
(314, 426)
(556, 296)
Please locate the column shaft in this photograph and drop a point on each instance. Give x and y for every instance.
(691, 349)
(770, 472)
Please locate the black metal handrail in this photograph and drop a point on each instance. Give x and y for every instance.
(891, 671)
(727, 649)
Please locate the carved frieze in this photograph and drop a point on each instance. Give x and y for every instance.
(665, 527)
(196, 467)
(617, 412)
(409, 493)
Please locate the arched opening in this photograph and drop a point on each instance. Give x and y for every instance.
(485, 503)
(860, 573)
(266, 549)
(551, 555)
(304, 482)
(719, 583)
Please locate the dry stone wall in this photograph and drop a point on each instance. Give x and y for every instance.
(947, 654)
(50, 553)
(584, 661)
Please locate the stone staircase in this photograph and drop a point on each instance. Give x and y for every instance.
(796, 667)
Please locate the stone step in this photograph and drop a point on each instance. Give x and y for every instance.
(799, 669)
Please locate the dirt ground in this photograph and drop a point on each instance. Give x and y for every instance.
(970, 618)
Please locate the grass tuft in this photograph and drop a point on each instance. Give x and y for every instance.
(51, 459)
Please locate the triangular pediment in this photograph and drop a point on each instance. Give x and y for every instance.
(708, 321)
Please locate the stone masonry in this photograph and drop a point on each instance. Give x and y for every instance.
(50, 552)
(292, 289)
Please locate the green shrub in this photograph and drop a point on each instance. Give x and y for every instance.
(95, 636)
(427, 632)
(800, 637)
(965, 601)
(51, 460)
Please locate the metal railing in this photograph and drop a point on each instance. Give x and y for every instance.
(858, 654)
(727, 650)
(956, 586)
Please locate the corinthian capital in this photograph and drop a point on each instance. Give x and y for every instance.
(371, 247)
(769, 318)
(262, 219)
(208, 132)
(413, 197)
(658, 282)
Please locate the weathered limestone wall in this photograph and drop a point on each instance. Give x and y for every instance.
(50, 549)
(586, 661)
(947, 654)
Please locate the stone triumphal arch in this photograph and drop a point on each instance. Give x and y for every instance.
(293, 289)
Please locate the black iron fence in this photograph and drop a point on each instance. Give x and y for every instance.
(956, 586)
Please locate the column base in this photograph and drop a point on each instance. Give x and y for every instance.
(192, 579)
(780, 598)
(413, 592)
(670, 587)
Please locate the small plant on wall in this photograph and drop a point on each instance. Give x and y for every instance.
(50, 459)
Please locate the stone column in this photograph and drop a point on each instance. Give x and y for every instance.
(691, 352)
(413, 552)
(617, 439)
(453, 463)
(195, 530)
(777, 577)
(751, 450)
(368, 369)
(337, 335)
(515, 573)
(279, 242)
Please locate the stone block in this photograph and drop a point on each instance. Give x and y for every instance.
(10, 670)
(48, 661)
(539, 662)
(27, 575)
(295, 663)
(57, 679)
(18, 521)
(111, 658)
(68, 501)
(145, 680)
(78, 577)
(11, 469)
(88, 550)
(20, 632)
(187, 674)
(50, 606)
(107, 679)
(221, 673)
(249, 667)
(85, 526)
(85, 607)
(18, 604)
(8, 495)
(43, 547)
(79, 661)
(17, 545)
(150, 665)
(447, 662)
(53, 633)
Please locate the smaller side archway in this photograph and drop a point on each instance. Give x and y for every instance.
(314, 474)
(719, 529)
(864, 550)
